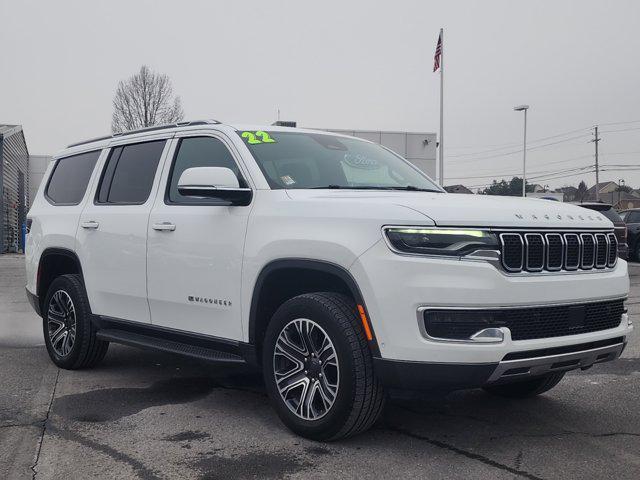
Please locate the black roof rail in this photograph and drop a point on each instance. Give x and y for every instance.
(147, 129)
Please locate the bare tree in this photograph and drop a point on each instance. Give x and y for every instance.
(582, 191)
(143, 100)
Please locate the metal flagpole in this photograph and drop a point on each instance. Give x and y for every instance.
(441, 145)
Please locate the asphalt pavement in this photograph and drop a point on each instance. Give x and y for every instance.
(150, 415)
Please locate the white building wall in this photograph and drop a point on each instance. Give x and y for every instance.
(37, 166)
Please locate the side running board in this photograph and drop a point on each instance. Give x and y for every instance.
(145, 341)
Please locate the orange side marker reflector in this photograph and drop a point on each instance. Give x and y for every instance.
(365, 323)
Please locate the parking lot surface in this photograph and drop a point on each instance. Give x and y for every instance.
(150, 415)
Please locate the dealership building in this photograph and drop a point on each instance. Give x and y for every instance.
(14, 185)
(418, 148)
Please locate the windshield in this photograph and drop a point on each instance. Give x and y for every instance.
(309, 160)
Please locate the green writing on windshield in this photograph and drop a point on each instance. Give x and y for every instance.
(253, 138)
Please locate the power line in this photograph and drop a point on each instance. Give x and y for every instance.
(620, 130)
(539, 173)
(515, 144)
(555, 162)
(552, 178)
(514, 152)
(619, 123)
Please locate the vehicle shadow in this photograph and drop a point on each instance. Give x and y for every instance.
(223, 419)
(464, 414)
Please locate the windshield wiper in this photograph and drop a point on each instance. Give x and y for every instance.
(411, 188)
(352, 187)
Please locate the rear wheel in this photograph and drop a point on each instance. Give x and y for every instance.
(318, 368)
(527, 388)
(69, 334)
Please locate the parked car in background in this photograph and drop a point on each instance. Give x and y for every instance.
(632, 220)
(620, 227)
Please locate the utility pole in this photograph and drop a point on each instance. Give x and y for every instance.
(441, 146)
(524, 108)
(595, 141)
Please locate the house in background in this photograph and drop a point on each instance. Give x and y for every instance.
(570, 193)
(457, 189)
(14, 187)
(603, 188)
(621, 200)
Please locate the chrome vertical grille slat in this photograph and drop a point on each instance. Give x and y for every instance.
(555, 251)
(612, 258)
(573, 250)
(588, 251)
(512, 251)
(534, 252)
(602, 250)
(528, 251)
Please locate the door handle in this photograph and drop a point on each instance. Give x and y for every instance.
(164, 227)
(91, 224)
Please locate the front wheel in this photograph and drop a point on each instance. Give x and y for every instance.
(527, 388)
(318, 368)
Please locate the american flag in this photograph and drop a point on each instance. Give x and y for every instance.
(438, 54)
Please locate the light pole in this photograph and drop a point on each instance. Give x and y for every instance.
(524, 108)
(620, 183)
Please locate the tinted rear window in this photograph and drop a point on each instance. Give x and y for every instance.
(129, 173)
(70, 178)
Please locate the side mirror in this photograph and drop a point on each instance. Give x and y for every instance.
(213, 182)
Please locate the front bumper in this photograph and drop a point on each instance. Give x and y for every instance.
(454, 376)
(395, 288)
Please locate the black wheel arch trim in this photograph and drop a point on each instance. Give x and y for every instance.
(55, 251)
(308, 264)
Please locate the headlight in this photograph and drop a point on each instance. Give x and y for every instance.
(440, 241)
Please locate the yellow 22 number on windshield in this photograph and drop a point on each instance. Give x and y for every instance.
(260, 136)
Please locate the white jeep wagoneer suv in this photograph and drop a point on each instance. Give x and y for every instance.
(328, 261)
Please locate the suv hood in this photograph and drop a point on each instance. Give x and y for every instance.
(448, 209)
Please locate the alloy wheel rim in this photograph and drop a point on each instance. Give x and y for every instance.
(306, 369)
(61, 323)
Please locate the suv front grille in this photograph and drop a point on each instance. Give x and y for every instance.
(526, 323)
(536, 252)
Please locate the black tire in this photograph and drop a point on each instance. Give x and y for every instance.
(637, 253)
(360, 397)
(86, 351)
(527, 388)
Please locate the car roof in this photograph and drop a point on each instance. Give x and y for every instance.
(101, 142)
